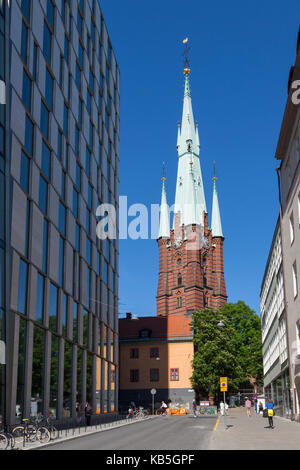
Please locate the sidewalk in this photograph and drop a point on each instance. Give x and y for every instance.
(76, 433)
(252, 433)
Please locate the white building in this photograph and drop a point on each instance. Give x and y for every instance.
(274, 337)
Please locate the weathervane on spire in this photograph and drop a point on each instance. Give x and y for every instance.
(164, 171)
(186, 55)
(214, 178)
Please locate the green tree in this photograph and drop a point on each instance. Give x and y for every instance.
(247, 328)
(216, 353)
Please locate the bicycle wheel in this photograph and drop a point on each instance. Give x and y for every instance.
(3, 442)
(11, 440)
(43, 435)
(53, 432)
(18, 434)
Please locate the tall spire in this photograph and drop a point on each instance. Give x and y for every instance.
(188, 148)
(164, 224)
(216, 225)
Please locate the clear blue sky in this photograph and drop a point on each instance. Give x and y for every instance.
(240, 59)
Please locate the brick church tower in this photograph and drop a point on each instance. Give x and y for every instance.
(191, 271)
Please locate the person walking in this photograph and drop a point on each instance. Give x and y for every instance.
(226, 408)
(248, 407)
(270, 408)
(88, 413)
(222, 408)
(195, 408)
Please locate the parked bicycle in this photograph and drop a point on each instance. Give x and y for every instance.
(40, 420)
(7, 440)
(29, 432)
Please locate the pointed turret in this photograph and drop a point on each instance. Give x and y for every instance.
(190, 204)
(178, 137)
(216, 225)
(164, 225)
(188, 147)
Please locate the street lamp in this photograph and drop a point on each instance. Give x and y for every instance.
(220, 324)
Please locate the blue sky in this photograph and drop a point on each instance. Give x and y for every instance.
(241, 53)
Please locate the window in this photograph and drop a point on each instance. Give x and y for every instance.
(28, 144)
(75, 203)
(62, 218)
(61, 260)
(88, 251)
(145, 333)
(59, 144)
(40, 298)
(134, 353)
(44, 120)
(66, 49)
(26, 93)
(22, 297)
(64, 313)
(295, 279)
(292, 228)
(154, 352)
(66, 114)
(47, 43)
(25, 7)
(24, 172)
(179, 280)
(154, 375)
(35, 60)
(24, 42)
(45, 246)
(46, 156)
(50, 13)
(134, 375)
(53, 307)
(49, 89)
(43, 195)
(174, 374)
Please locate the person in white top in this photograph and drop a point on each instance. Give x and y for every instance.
(222, 407)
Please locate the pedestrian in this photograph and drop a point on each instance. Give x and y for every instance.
(270, 408)
(248, 407)
(78, 413)
(88, 413)
(222, 408)
(260, 407)
(163, 408)
(226, 408)
(195, 408)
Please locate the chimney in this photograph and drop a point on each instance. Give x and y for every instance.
(128, 316)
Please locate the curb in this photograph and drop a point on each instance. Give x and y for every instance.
(71, 438)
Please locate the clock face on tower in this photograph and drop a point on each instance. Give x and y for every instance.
(177, 242)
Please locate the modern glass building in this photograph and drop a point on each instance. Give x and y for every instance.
(59, 302)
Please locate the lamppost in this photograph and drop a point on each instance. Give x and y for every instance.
(222, 325)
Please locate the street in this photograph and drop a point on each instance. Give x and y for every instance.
(161, 433)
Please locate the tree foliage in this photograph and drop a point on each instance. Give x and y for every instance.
(232, 351)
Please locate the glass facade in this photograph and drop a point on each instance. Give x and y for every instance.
(64, 293)
(2, 207)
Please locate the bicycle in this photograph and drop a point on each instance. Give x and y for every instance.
(47, 423)
(3, 442)
(28, 432)
(10, 438)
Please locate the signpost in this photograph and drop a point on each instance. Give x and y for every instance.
(153, 393)
(224, 388)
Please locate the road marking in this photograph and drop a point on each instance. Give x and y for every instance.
(217, 423)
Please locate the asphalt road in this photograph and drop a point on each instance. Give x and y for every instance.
(161, 433)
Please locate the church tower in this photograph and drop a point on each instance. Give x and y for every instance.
(191, 271)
